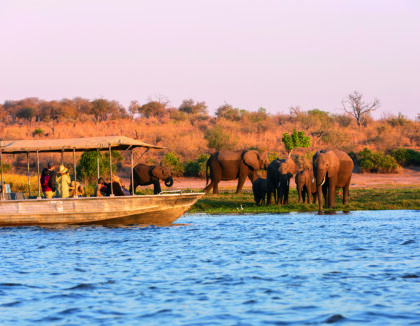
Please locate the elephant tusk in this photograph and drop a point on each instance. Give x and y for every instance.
(323, 181)
(313, 180)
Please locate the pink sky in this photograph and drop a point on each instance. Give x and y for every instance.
(272, 53)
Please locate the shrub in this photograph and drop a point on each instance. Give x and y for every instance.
(7, 168)
(172, 162)
(406, 157)
(370, 161)
(217, 138)
(87, 166)
(197, 168)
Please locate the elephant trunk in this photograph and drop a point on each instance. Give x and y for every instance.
(169, 182)
(320, 180)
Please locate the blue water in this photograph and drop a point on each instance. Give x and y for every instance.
(287, 269)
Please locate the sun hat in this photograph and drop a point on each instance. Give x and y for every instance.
(62, 169)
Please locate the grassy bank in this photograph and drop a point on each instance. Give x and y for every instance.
(360, 199)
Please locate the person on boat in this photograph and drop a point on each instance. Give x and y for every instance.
(101, 188)
(78, 187)
(63, 183)
(48, 180)
(116, 187)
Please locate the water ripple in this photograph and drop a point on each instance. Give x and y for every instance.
(275, 269)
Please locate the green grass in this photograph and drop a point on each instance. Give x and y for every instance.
(360, 199)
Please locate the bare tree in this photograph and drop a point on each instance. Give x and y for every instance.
(358, 108)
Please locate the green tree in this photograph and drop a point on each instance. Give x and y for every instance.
(189, 107)
(98, 109)
(87, 167)
(172, 162)
(217, 138)
(227, 112)
(295, 140)
(152, 109)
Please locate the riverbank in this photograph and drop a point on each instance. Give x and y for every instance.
(367, 192)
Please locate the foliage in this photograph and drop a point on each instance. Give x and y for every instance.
(217, 138)
(227, 112)
(398, 121)
(38, 132)
(189, 107)
(370, 161)
(152, 109)
(406, 157)
(87, 167)
(172, 162)
(7, 168)
(197, 168)
(295, 140)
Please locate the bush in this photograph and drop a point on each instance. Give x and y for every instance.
(406, 157)
(197, 168)
(87, 166)
(172, 162)
(370, 161)
(7, 168)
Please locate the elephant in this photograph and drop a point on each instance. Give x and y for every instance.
(305, 185)
(260, 188)
(145, 175)
(279, 173)
(231, 165)
(332, 169)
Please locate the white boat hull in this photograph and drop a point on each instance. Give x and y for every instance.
(148, 209)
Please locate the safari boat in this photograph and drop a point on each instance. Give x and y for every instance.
(161, 209)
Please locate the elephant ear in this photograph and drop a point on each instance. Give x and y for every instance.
(251, 159)
(157, 172)
(288, 166)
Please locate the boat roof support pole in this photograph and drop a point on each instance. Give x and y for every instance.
(110, 171)
(1, 185)
(62, 157)
(29, 177)
(132, 174)
(39, 186)
(75, 173)
(97, 161)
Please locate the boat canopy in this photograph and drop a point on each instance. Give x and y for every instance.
(72, 144)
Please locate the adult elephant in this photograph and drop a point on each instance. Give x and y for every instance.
(332, 170)
(306, 186)
(231, 165)
(145, 175)
(279, 173)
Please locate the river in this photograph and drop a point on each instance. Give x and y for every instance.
(274, 269)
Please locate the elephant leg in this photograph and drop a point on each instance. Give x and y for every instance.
(241, 182)
(324, 193)
(208, 187)
(301, 195)
(331, 195)
(314, 198)
(156, 187)
(346, 190)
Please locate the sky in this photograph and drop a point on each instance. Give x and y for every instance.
(274, 54)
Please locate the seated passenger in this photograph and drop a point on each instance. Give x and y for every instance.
(116, 187)
(101, 188)
(63, 183)
(78, 187)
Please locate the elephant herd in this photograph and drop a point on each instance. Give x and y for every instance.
(332, 169)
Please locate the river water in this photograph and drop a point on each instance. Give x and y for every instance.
(278, 269)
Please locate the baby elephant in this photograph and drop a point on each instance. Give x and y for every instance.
(260, 190)
(305, 185)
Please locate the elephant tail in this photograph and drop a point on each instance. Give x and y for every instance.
(207, 172)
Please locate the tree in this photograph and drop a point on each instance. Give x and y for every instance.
(189, 107)
(153, 109)
(133, 108)
(98, 109)
(295, 140)
(355, 105)
(217, 138)
(227, 112)
(26, 113)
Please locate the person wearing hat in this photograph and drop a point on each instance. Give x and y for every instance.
(78, 187)
(63, 182)
(48, 180)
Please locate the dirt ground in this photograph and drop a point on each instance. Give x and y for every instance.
(408, 178)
